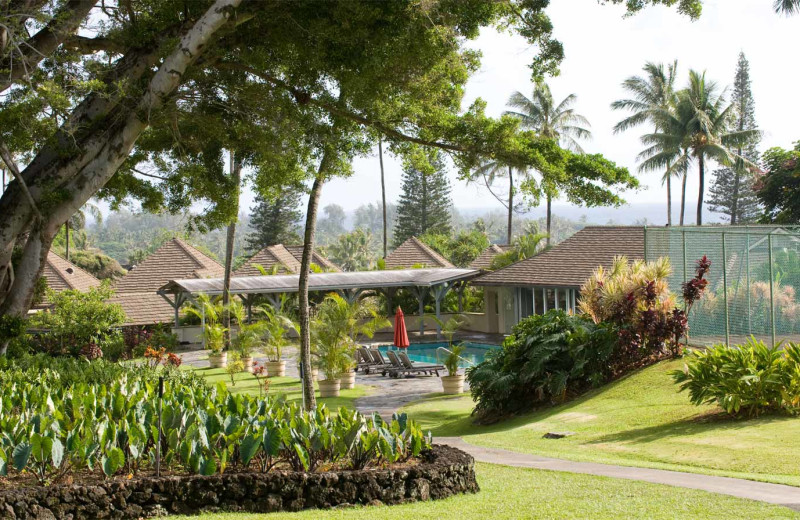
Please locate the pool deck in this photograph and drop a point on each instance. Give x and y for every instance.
(386, 338)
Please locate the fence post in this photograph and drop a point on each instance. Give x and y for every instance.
(725, 291)
(747, 281)
(771, 289)
(683, 237)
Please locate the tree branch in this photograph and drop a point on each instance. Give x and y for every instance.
(5, 154)
(86, 45)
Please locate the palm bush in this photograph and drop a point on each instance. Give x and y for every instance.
(749, 379)
(545, 359)
(211, 310)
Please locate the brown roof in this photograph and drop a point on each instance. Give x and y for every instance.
(571, 262)
(297, 252)
(174, 260)
(144, 308)
(269, 257)
(62, 275)
(484, 260)
(414, 252)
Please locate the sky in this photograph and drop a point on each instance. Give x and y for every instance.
(603, 48)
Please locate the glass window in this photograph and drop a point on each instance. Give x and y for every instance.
(526, 302)
(562, 296)
(550, 295)
(538, 300)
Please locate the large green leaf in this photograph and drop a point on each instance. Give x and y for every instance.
(248, 449)
(57, 453)
(208, 467)
(21, 454)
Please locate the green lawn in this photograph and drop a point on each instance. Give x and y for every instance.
(288, 387)
(524, 493)
(640, 421)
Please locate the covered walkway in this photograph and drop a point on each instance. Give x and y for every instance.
(350, 285)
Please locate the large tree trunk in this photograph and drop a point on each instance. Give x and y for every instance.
(669, 199)
(66, 239)
(549, 216)
(236, 171)
(383, 196)
(310, 400)
(683, 197)
(100, 149)
(510, 203)
(737, 176)
(701, 191)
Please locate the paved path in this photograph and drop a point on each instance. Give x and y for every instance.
(788, 496)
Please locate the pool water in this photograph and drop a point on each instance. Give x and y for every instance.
(426, 352)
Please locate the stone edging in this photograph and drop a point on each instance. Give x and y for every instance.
(445, 471)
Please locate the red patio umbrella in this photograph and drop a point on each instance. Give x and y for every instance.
(400, 333)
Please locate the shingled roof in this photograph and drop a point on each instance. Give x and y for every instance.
(484, 260)
(287, 258)
(414, 252)
(175, 259)
(62, 275)
(571, 262)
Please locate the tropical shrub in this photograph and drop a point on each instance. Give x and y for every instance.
(138, 339)
(545, 359)
(748, 379)
(50, 430)
(77, 321)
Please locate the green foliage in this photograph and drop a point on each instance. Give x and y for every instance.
(52, 427)
(424, 205)
(460, 248)
(275, 219)
(525, 246)
(99, 265)
(546, 359)
(78, 320)
(351, 251)
(779, 189)
(748, 379)
(337, 326)
(210, 309)
(276, 325)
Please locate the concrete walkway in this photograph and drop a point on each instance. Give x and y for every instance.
(788, 496)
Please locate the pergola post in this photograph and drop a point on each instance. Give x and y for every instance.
(421, 293)
(460, 291)
(351, 295)
(439, 292)
(203, 324)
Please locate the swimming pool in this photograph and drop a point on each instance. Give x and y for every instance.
(426, 352)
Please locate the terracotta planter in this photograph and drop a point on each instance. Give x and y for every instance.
(248, 364)
(348, 380)
(453, 384)
(276, 368)
(218, 360)
(314, 373)
(329, 388)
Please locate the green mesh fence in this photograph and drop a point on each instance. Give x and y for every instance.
(754, 283)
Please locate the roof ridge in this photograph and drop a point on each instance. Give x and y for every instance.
(66, 281)
(430, 251)
(197, 255)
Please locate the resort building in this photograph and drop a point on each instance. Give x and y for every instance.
(283, 260)
(484, 260)
(62, 275)
(136, 291)
(415, 253)
(552, 279)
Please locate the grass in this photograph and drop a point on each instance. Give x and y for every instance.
(640, 420)
(288, 387)
(524, 493)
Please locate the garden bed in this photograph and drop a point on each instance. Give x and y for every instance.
(443, 472)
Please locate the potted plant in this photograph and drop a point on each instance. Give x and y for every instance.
(276, 325)
(249, 337)
(453, 382)
(357, 319)
(331, 345)
(213, 331)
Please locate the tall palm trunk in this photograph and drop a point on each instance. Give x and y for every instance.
(683, 197)
(383, 195)
(549, 216)
(309, 400)
(669, 198)
(510, 203)
(236, 170)
(701, 190)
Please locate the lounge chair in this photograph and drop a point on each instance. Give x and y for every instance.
(363, 360)
(405, 368)
(380, 362)
(410, 365)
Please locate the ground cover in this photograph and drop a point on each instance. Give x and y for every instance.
(288, 387)
(640, 420)
(534, 494)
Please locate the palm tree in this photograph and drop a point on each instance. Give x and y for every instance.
(489, 171)
(351, 251)
(651, 95)
(787, 7)
(700, 130)
(525, 246)
(554, 121)
(78, 221)
(383, 196)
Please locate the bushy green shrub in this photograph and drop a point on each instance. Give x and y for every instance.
(79, 323)
(51, 429)
(545, 359)
(749, 379)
